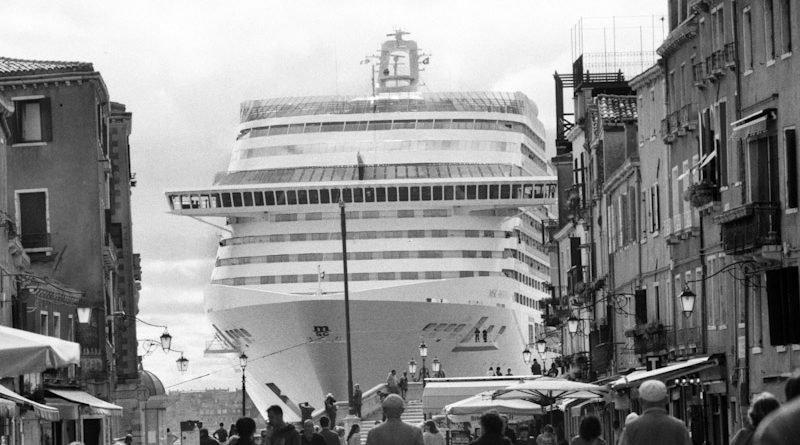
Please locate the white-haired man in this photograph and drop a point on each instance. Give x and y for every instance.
(394, 431)
(655, 426)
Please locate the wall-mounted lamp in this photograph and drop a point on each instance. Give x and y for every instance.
(687, 301)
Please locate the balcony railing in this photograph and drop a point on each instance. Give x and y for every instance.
(750, 227)
(698, 75)
(35, 240)
(688, 336)
(729, 55)
(651, 340)
(666, 134)
(674, 122)
(688, 116)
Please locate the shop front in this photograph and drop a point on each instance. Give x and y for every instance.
(25, 422)
(84, 418)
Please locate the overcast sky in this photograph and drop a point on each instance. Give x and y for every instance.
(183, 67)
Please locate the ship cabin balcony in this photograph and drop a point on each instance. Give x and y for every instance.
(476, 192)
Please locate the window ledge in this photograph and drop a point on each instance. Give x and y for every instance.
(791, 211)
(748, 72)
(711, 327)
(722, 327)
(780, 348)
(786, 55)
(29, 144)
(795, 347)
(755, 350)
(771, 62)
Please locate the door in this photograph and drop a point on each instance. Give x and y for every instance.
(92, 431)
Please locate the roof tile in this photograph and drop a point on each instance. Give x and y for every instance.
(15, 67)
(614, 108)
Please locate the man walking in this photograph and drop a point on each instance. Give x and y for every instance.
(309, 436)
(205, 439)
(655, 426)
(536, 368)
(392, 383)
(403, 385)
(394, 431)
(221, 434)
(283, 433)
(357, 399)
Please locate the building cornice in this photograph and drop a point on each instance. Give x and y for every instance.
(685, 32)
(31, 81)
(622, 174)
(648, 76)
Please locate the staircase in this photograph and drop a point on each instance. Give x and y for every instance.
(412, 415)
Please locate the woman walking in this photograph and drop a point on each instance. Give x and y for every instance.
(432, 435)
(589, 432)
(762, 405)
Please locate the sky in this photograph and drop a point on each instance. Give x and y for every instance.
(182, 68)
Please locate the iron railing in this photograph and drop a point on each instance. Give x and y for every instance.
(751, 226)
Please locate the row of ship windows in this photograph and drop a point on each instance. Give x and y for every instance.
(369, 214)
(372, 276)
(385, 255)
(379, 276)
(364, 194)
(526, 301)
(399, 124)
(369, 234)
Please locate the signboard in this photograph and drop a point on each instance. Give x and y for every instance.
(459, 437)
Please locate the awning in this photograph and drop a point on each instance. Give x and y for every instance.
(23, 352)
(666, 373)
(752, 125)
(43, 411)
(89, 404)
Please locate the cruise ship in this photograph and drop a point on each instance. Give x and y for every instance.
(445, 200)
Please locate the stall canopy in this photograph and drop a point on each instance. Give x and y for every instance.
(23, 352)
(43, 411)
(666, 373)
(483, 402)
(88, 403)
(547, 391)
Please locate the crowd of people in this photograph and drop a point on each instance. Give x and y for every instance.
(769, 423)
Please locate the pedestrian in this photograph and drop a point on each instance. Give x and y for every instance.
(221, 434)
(553, 372)
(654, 426)
(491, 431)
(761, 405)
(246, 428)
(129, 438)
(491, 372)
(498, 372)
(507, 430)
(171, 438)
(432, 435)
(232, 431)
(485, 335)
(265, 433)
(589, 432)
(477, 335)
(354, 436)
(330, 437)
(547, 437)
(403, 384)
(782, 426)
(357, 399)
(205, 439)
(309, 436)
(394, 431)
(283, 433)
(392, 383)
(536, 368)
(340, 435)
(508, 371)
(330, 408)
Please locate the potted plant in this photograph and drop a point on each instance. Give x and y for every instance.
(701, 193)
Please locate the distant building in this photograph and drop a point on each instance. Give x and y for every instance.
(211, 407)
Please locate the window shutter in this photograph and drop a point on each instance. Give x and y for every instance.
(46, 119)
(783, 300)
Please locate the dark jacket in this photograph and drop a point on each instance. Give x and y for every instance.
(316, 439)
(285, 435)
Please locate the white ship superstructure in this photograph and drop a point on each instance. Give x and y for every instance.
(445, 194)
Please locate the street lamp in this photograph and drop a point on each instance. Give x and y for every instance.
(412, 367)
(166, 340)
(572, 324)
(243, 364)
(541, 346)
(526, 355)
(423, 352)
(183, 363)
(436, 366)
(687, 301)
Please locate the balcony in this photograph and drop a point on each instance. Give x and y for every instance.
(674, 123)
(698, 75)
(688, 117)
(666, 134)
(750, 227)
(689, 337)
(650, 338)
(729, 56)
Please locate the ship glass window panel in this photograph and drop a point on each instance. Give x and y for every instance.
(295, 128)
(313, 197)
(302, 197)
(297, 237)
(483, 191)
(336, 195)
(347, 195)
(379, 125)
(475, 171)
(369, 194)
(403, 193)
(403, 124)
(332, 126)
(291, 197)
(494, 191)
(425, 124)
(226, 200)
(415, 194)
(380, 194)
(312, 127)
(248, 199)
(449, 194)
(324, 196)
(426, 193)
(472, 233)
(280, 197)
(411, 171)
(307, 174)
(461, 192)
(278, 130)
(314, 216)
(358, 194)
(288, 278)
(505, 191)
(269, 197)
(437, 193)
(400, 172)
(442, 124)
(409, 275)
(385, 276)
(258, 198)
(472, 192)
(392, 194)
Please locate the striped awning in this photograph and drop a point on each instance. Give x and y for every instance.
(88, 403)
(44, 412)
(752, 125)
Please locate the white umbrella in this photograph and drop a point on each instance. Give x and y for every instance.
(483, 402)
(23, 352)
(546, 391)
